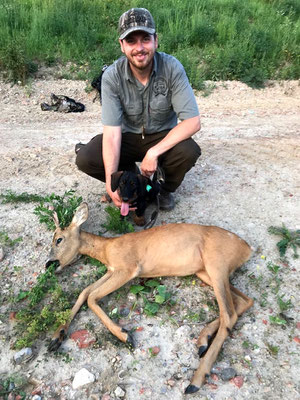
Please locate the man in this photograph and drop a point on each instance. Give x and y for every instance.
(143, 95)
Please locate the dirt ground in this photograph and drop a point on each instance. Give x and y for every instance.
(246, 180)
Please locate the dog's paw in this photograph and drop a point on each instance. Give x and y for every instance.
(139, 221)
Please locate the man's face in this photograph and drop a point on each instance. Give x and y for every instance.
(139, 48)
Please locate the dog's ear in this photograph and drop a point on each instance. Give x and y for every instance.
(143, 181)
(115, 179)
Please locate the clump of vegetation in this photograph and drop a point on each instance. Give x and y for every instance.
(115, 222)
(11, 197)
(154, 295)
(12, 386)
(249, 41)
(5, 240)
(37, 317)
(289, 239)
(64, 206)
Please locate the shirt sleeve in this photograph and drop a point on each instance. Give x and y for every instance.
(183, 98)
(111, 105)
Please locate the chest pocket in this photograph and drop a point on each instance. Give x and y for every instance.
(132, 113)
(160, 100)
(160, 107)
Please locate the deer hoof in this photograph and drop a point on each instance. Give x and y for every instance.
(191, 389)
(129, 341)
(202, 350)
(54, 345)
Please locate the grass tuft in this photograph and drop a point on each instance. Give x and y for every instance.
(115, 223)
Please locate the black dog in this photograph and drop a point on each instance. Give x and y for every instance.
(63, 104)
(135, 190)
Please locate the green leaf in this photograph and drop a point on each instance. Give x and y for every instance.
(136, 289)
(22, 295)
(159, 299)
(277, 320)
(152, 283)
(151, 308)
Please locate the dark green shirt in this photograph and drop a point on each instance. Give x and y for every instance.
(155, 107)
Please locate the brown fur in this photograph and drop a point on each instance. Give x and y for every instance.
(210, 252)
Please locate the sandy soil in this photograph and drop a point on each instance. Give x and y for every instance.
(246, 180)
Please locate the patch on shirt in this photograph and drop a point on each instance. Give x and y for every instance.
(160, 86)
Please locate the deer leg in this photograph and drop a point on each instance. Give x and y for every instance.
(228, 318)
(61, 333)
(118, 279)
(241, 303)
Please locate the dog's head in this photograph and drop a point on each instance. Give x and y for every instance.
(131, 187)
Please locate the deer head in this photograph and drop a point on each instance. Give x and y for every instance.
(66, 242)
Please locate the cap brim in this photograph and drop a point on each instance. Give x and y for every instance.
(151, 31)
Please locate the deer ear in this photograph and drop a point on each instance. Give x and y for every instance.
(115, 179)
(81, 215)
(55, 219)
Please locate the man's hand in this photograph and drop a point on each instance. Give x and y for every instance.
(149, 163)
(115, 197)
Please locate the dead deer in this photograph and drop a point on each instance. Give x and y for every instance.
(210, 252)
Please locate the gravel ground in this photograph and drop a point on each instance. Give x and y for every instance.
(246, 180)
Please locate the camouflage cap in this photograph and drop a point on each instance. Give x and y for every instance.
(136, 19)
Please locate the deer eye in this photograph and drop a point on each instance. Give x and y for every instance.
(58, 241)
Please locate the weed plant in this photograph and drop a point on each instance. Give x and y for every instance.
(116, 223)
(289, 239)
(13, 197)
(37, 317)
(64, 206)
(5, 240)
(154, 295)
(249, 41)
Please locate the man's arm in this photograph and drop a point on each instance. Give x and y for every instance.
(184, 130)
(111, 156)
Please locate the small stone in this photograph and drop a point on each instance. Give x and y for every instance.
(248, 358)
(228, 373)
(237, 381)
(36, 397)
(132, 297)
(82, 377)
(171, 382)
(124, 311)
(1, 254)
(154, 350)
(106, 396)
(23, 355)
(119, 392)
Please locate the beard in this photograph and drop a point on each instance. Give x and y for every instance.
(141, 60)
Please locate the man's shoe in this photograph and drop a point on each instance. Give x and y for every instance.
(166, 201)
(78, 147)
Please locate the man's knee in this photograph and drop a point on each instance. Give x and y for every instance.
(89, 159)
(186, 152)
(82, 160)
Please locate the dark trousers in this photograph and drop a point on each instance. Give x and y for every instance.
(175, 163)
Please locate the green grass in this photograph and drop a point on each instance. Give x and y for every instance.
(64, 206)
(214, 39)
(6, 241)
(12, 197)
(289, 239)
(115, 223)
